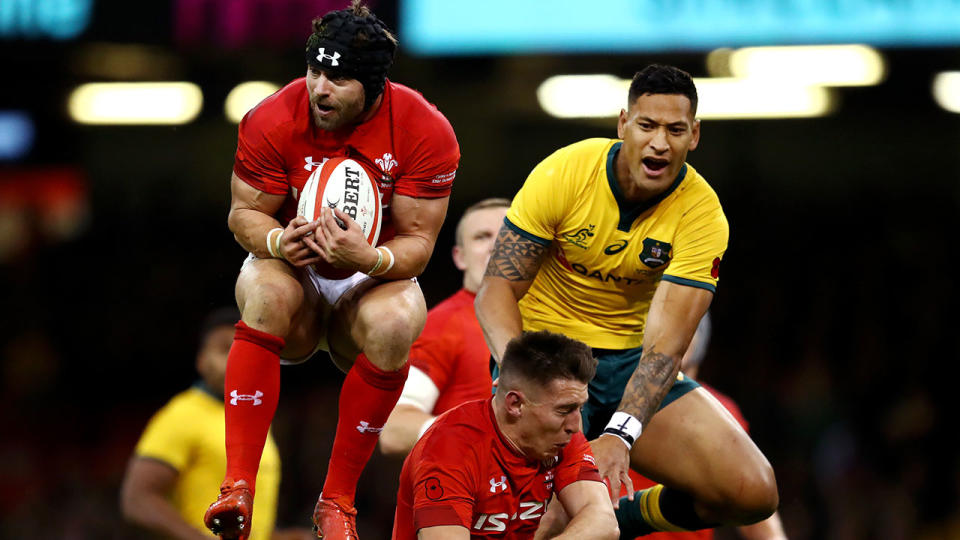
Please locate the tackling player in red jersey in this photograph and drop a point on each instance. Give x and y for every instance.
(345, 106)
(449, 362)
(488, 468)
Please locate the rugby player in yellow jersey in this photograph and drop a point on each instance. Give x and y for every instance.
(179, 459)
(617, 243)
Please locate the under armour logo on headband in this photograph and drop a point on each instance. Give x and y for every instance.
(334, 58)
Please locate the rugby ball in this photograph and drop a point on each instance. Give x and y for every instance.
(342, 183)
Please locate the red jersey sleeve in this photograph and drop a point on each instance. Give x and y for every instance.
(443, 485)
(577, 464)
(432, 153)
(436, 351)
(258, 161)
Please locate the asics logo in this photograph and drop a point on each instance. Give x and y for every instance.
(501, 485)
(333, 58)
(364, 427)
(254, 397)
(615, 247)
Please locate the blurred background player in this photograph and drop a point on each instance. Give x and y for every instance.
(449, 362)
(768, 529)
(179, 458)
(617, 242)
(487, 468)
(344, 106)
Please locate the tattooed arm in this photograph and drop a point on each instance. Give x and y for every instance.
(512, 267)
(674, 314)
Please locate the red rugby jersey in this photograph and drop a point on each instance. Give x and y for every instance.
(639, 482)
(408, 146)
(463, 472)
(452, 352)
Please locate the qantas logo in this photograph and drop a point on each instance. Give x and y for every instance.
(596, 274)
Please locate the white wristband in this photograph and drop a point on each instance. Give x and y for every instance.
(379, 268)
(392, 260)
(625, 427)
(426, 425)
(273, 245)
(373, 271)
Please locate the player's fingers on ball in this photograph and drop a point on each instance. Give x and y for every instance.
(297, 222)
(314, 247)
(303, 230)
(332, 221)
(343, 216)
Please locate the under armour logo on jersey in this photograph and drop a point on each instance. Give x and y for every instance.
(254, 397)
(501, 485)
(334, 58)
(310, 163)
(386, 162)
(364, 427)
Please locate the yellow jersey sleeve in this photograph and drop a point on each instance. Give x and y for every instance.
(168, 436)
(699, 246)
(548, 192)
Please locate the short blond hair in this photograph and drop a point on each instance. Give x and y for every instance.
(492, 202)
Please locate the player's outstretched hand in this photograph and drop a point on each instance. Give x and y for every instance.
(343, 246)
(613, 460)
(295, 242)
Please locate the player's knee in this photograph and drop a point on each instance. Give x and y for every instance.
(395, 325)
(271, 305)
(757, 498)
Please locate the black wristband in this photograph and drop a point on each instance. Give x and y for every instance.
(626, 437)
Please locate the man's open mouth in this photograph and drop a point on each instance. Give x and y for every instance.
(655, 164)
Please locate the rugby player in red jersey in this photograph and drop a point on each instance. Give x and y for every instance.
(488, 468)
(345, 106)
(449, 362)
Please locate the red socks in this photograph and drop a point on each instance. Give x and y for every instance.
(251, 391)
(367, 397)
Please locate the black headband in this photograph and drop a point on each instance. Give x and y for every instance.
(354, 46)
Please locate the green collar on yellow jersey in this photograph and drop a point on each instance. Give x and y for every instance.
(628, 210)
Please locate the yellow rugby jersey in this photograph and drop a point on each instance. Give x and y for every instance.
(608, 255)
(188, 434)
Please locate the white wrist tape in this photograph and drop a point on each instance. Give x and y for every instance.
(379, 268)
(273, 243)
(624, 426)
(392, 260)
(373, 271)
